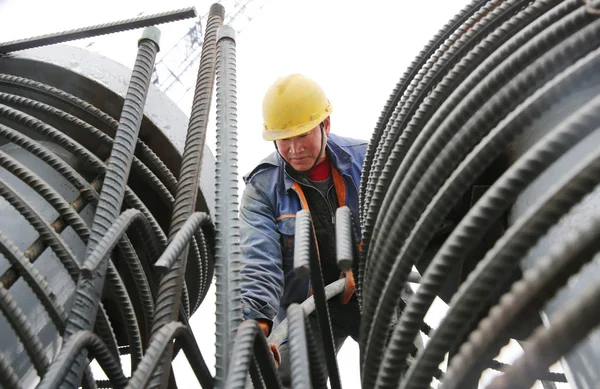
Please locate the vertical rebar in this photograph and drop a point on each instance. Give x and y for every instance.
(170, 289)
(343, 238)
(89, 290)
(227, 249)
(305, 238)
(300, 371)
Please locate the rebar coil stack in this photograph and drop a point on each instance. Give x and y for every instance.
(69, 124)
(479, 188)
(481, 173)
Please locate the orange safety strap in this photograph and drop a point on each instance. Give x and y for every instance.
(340, 191)
(285, 216)
(265, 325)
(300, 192)
(348, 288)
(340, 187)
(298, 189)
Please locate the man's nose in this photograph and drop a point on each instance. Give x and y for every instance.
(295, 146)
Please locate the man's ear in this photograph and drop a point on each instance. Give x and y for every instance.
(326, 124)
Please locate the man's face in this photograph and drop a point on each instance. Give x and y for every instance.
(301, 151)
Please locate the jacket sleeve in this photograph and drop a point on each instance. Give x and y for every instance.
(262, 273)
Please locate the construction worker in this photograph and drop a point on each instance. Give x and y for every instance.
(310, 169)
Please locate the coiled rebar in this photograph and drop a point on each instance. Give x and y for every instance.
(485, 149)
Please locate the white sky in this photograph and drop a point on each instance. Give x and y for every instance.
(357, 52)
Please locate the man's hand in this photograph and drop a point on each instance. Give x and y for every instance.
(349, 288)
(266, 327)
(275, 353)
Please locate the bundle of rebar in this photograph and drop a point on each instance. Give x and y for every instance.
(479, 191)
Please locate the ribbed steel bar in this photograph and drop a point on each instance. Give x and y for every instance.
(50, 237)
(280, 333)
(305, 250)
(539, 157)
(250, 340)
(68, 216)
(465, 37)
(127, 250)
(567, 328)
(27, 336)
(428, 176)
(548, 378)
(504, 256)
(47, 236)
(419, 64)
(80, 108)
(180, 241)
(167, 304)
(343, 238)
(88, 290)
(8, 377)
(227, 261)
(90, 268)
(300, 372)
(192, 352)
(157, 348)
(35, 280)
(88, 191)
(69, 352)
(96, 30)
(482, 216)
(482, 155)
(538, 285)
(491, 52)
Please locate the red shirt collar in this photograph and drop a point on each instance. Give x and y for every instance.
(320, 172)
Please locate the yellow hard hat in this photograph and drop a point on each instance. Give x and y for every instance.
(292, 106)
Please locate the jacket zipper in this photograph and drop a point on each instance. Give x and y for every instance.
(324, 198)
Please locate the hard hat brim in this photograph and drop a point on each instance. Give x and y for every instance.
(273, 135)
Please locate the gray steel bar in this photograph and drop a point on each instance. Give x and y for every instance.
(343, 238)
(302, 246)
(18, 321)
(227, 262)
(89, 289)
(280, 333)
(180, 241)
(169, 295)
(99, 29)
(159, 344)
(568, 327)
(298, 350)
(84, 340)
